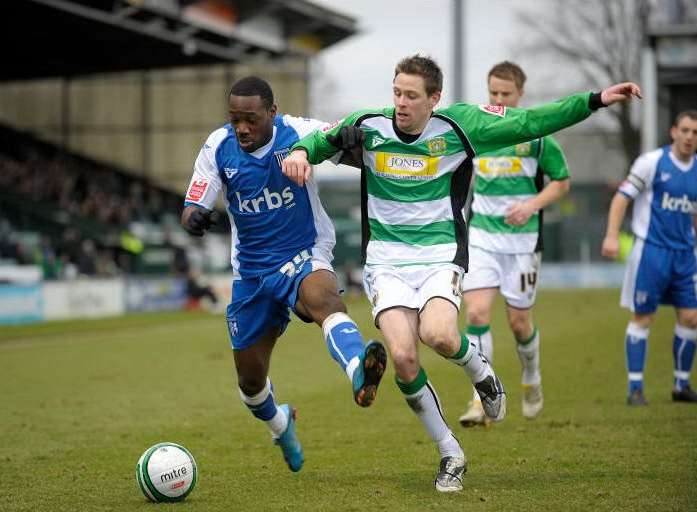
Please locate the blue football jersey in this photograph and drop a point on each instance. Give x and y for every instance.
(665, 194)
(272, 218)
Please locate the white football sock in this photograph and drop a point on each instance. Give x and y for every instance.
(529, 355)
(423, 400)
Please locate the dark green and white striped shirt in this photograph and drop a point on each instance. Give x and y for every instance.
(505, 177)
(414, 193)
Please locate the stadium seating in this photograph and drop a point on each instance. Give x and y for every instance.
(72, 215)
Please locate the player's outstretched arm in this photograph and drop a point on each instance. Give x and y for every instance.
(611, 242)
(296, 167)
(489, 127)
(323, 144)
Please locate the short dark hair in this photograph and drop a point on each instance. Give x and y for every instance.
(426, 68)
(253, 86)
(507, 70)
(692, 114)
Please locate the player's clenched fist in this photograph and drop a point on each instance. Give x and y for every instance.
(196, 221)
(519, 213)
(611, 247)
(296, 167)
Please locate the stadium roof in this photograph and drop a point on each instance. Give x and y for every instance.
(44, 38)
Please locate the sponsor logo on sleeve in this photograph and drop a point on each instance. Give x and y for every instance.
(196, 190)
(331, 125)
(495, 110)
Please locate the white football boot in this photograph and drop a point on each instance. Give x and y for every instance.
(449, 477)
(493, 397)
(474, 415)
(532, 400)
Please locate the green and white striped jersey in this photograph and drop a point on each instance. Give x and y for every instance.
(505, 177)
(413, 194)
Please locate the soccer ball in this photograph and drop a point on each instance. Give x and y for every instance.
(166, 472)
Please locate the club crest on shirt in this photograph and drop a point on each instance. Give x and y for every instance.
(523, 149)
(281, 154)
(436, 146)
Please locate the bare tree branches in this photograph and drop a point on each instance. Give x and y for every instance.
(601, 39)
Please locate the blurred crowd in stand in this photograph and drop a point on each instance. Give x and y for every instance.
(70, 215)
(83, 189)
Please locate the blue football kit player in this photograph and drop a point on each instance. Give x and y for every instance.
(662, 267)
(282, 242)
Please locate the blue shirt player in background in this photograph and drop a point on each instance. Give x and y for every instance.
(662, 266)
(282, 242)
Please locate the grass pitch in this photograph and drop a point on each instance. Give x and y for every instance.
(80, 401)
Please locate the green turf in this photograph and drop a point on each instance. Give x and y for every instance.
(80, 401)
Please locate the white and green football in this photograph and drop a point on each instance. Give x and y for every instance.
(166, 472)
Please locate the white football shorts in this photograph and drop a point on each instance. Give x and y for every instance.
(516, 275)
(411, 286)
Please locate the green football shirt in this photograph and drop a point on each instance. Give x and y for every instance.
(414, 194)
(505, 177)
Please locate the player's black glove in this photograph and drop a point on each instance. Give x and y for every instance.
(200, 221)
(347, 138)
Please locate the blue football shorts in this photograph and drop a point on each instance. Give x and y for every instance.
(659, 275)
(262, 303)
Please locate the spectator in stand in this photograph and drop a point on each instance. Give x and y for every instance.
(106, 264)
(68, 268)
(45, 256)
(87, 261)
